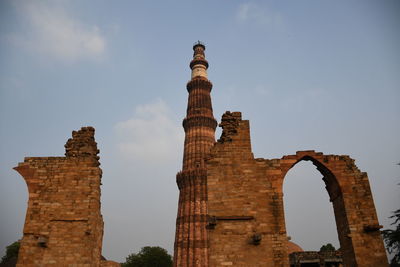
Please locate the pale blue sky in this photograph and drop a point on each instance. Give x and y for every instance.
(321, 75)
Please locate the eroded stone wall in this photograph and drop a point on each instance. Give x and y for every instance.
(64, 225)
(245, 203)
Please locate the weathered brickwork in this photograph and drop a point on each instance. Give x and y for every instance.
(64, 225)
(245, 203)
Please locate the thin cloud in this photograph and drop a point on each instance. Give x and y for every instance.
(151, 135)
(262, 90)
(318, 98)
(261, 15)
(53, 31)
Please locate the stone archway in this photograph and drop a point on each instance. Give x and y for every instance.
(245, 203)
(309, 215)
(350, 194)
(334, 189)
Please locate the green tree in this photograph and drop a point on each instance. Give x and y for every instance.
(11, 252)
(327, 247)
(149, 257)
(392, 239)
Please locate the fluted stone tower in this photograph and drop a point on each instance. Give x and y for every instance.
(191, 243)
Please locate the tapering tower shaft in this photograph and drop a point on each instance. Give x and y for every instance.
(191, 243)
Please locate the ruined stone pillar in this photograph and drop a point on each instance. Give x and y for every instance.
(64, 225)
(191, 242)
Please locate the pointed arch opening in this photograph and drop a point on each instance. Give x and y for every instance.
(309, 216)
(313, 216)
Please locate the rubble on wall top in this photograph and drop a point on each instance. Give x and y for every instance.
(82, 144)
(229, 124)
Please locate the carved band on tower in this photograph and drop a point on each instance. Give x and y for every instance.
(191, 242)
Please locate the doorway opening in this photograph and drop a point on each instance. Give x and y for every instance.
(309, 215)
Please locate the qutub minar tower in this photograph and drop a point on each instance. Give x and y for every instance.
(191, 248)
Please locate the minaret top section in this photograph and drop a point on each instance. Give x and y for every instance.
(199, 43)
(199, 64)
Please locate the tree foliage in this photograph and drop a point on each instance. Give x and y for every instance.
(392, 239)
(149, 257)
(327, 247)
(11, 252)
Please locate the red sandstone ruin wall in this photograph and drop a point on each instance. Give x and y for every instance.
(239, 194)
(63, 224)
(241, 186)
